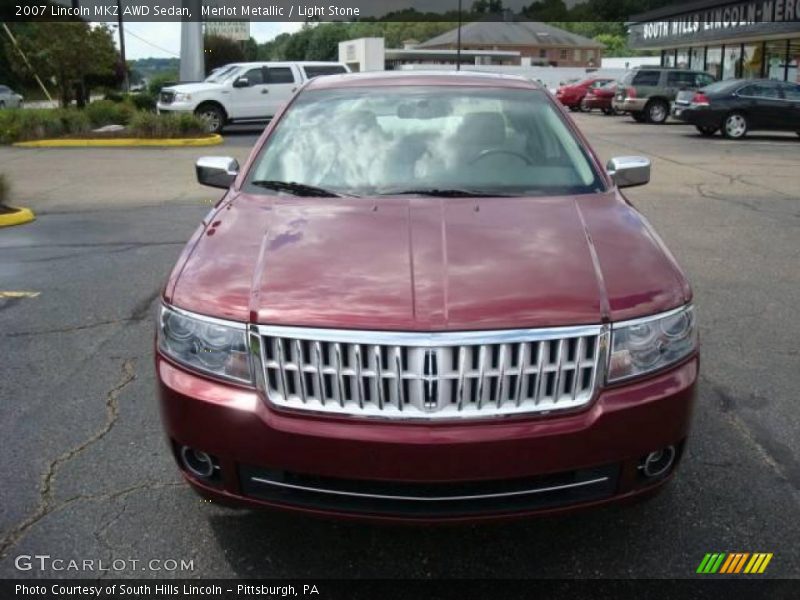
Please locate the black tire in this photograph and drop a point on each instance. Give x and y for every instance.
(639, 117)
(584, 108)
(574, 108)
(608, 112)
(2, 103)
(213, 115)
(706, 131)
(657, 112)
(735, 126)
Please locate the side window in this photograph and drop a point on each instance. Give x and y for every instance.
(680, 79)
(4, 89)
(254, 76)
(646, 78)
(317, 70)
(280, 75)
(791, 92)
(760, 90)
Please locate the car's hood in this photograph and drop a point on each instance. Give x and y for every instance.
(194, 88)
(427, 263)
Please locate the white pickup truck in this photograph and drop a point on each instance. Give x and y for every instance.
(238, 92)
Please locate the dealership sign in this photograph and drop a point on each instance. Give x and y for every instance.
(718, 22)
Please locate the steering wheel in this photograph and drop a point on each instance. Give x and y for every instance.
(492, 151)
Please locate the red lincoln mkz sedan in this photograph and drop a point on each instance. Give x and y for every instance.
(424, 298)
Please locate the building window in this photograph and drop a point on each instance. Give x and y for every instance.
(714, 61)
(562, 54)
(697, 59)
(682, 60)
(542, 53)
(751, 60)
(590, 55)
(668, 58)
(730, 65)
(775, 60)
(793, 68)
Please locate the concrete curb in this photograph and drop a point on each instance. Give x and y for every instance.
(213, 140)
(19, 216)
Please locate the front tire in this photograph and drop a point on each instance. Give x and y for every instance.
(705, 130)
(213, 116)
(657, 112)
(735, 126)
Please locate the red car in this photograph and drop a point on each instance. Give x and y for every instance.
(423, 298)
(600, 98)
(571, 95)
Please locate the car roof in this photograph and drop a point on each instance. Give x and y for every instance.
(413, 78)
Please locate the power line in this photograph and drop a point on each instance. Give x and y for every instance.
(149, 43)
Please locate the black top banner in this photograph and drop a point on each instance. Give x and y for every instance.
(351, 10)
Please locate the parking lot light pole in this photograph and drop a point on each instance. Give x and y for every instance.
(125, 82)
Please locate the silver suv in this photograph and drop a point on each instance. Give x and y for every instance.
(647, 93)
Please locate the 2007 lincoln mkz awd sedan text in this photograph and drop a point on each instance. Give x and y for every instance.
(423, 298)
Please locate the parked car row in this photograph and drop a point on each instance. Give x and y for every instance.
(650, 95)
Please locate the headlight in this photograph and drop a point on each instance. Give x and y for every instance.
(209, 345)
(181, 97)
(645, 345)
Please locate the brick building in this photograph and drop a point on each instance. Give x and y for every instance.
(537, 43)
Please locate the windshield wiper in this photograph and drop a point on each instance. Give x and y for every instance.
(444, 193)
(298, 189)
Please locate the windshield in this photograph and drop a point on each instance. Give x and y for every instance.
(400, 139)
(221, 74)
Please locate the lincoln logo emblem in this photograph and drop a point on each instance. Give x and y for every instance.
(430, 377)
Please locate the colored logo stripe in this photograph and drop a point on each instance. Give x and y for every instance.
(723, 563)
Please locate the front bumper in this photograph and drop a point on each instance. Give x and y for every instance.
(352, 467)
(629, 104)
(162, 108)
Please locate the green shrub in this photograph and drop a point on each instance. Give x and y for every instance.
(114, 96)
(107, 112)
(143, 101)
(19, 125)
(150, 125)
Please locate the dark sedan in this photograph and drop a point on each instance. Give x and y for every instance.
(736, 106)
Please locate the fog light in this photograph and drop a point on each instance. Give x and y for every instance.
(197, 462)
(659, 462)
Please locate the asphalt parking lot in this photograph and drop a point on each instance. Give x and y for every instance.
(86, 474)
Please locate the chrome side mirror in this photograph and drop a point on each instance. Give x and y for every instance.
(629, 171)
(217, 171)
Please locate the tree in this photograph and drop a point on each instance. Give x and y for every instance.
(221, 51)
(69, 54)
(616, 45)
(491, 7)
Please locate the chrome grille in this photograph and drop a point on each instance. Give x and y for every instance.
(436, 375)
(167, 97)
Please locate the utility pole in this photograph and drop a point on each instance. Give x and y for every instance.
(458, 42)
(26, 61)
(125, 83)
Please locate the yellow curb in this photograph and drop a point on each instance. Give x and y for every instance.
(6, 295)
(18, 217)
(212, 140)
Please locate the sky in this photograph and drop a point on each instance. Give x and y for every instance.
(163, 40)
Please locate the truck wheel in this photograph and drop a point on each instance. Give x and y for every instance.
(657, 111)
(735, 126)
(706, 130)
(212, 115)
(639, 117)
